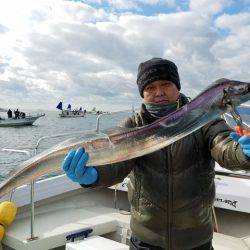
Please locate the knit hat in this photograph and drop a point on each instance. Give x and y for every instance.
(157, 69)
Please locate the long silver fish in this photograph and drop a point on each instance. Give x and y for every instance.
(119, 144)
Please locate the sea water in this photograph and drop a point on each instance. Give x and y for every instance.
(26, 137)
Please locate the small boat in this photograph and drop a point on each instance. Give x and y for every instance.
(68, 113)
(98, 112)
(14, 122)
(71, 113)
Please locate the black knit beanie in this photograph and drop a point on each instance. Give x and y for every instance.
(157, 69)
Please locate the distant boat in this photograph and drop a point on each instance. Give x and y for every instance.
(71, 113)
(13, 122)
(97, 112)
(68, 113)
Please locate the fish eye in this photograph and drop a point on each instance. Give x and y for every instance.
(230, 89)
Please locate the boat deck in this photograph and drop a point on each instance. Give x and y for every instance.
(74, 211)
(67, 214)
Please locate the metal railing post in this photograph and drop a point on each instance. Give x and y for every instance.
(32, 207)
(32, 212)
(98, 123)
(98, 131)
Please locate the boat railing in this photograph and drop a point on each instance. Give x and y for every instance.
(33, 152)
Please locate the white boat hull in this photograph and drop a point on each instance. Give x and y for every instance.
(11, 122)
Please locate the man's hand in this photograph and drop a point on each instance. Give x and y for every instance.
(244, 142)
(74, 165)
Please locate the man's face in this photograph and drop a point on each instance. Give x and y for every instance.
(161, 92)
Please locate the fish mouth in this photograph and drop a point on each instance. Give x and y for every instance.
(235, 95)
(242, 89)
(248, 88)
(241, 95)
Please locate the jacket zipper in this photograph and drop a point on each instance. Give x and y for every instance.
(170, 195)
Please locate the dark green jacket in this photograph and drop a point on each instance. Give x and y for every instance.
(172, 190)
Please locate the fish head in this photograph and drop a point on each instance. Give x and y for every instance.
(234, 92)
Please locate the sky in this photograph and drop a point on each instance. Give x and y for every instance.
(86, 53)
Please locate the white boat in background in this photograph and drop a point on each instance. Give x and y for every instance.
(71, 113)
(68, 113)
(98, 112)
(14, 122)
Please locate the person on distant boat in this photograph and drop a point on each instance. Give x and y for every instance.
(22, 115)
(172, 190)
(9, 113)
(17, 114)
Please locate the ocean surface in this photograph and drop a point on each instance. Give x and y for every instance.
(26, 137)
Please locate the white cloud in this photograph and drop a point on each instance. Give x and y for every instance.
(233, 22)
(3, 29)
(68, 50)
(209, 7)
(233, 51)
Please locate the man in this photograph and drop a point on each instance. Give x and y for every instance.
(17, 114)
(9, 113)
(171, 191)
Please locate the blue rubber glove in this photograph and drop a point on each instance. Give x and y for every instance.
(244, 142)
(74, 165)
